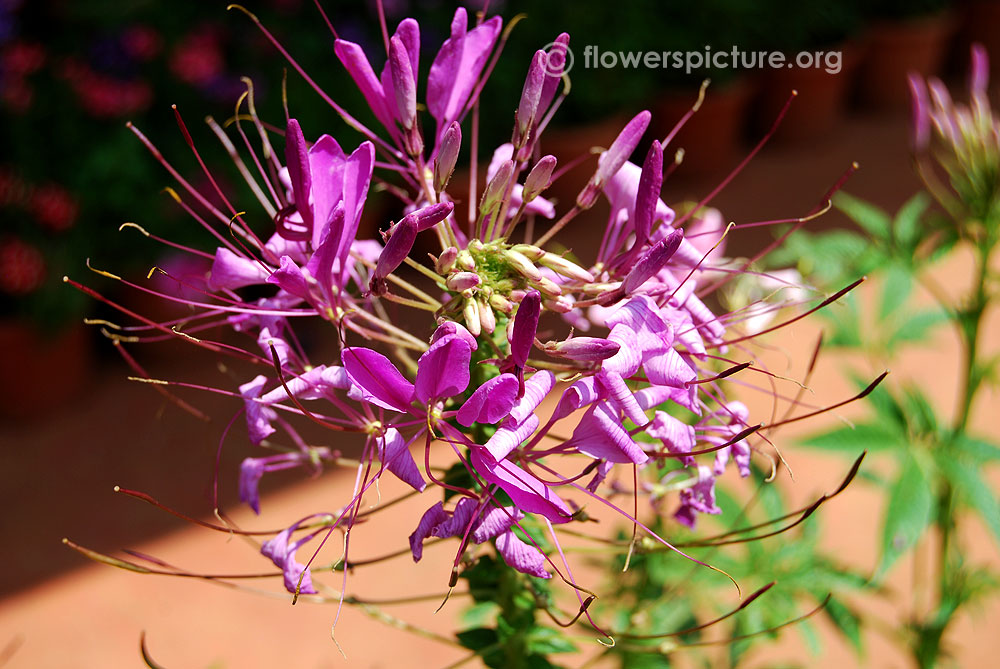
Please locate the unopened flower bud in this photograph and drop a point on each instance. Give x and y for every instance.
(648, 265)
(538, 178)
(569, 269)
(650, 183)
(555, 67)
(528, 251)
(462, 281)
(496, 187)
(465, 261)
(471, 315)
(652, 261)
(446, 260)
(530, 95)
(394, 253)
(486, 317)
(612, 160)
(517, 295)
(560, 305)
(583, 349)
(447, 156)
(548, 286)
(522, 265)
(403, 83)
(429, 216)
(501, 303)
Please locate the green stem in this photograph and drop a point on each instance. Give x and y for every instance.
(930, 632)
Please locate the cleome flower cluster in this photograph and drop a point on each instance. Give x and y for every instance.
(630, 369)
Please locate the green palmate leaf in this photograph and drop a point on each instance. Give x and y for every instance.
(477, 638)
(914, 329)
(896, 288)
(845, 318)
(545, 640)
(919, 412)
(974, 491)
(886, 406)
(859, 438)
(846, 621)
(873, 220)
(979, 450)
(908, 513)
(906, 227)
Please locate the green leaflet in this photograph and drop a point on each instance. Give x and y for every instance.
(908, 514)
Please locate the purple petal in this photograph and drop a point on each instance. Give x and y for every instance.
(357, 178)
(232, 271)
(600, 435)
(452, 328)
(259, 416)
(490, 402)
(457, 67)
(289, 277)
(458, 521)
(354, 60)
(509, 437)
(432, 517)
(525, 327)
(620, 394)
(396, 456)
(443, 371)
(326, 163)
(493, 522)
(321, 264)
(379, 380)
(580, 394)
(251, 471)
(527, 492)
(654, 396)
(667, 368)
(603, 469)
(297, 160)
(648, 194)
(626, 362)
(677, 436)
(521, 556)
(535, 390)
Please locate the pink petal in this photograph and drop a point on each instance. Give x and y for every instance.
(527, 492)
(600, 435)
(521, 556)
(380, 381)
(443, 371)
(490, 402)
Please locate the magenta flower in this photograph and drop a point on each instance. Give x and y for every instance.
(460, 330)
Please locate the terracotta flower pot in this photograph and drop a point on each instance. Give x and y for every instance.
(821, 100)
(894, 49)
(41, 371)
(712, 137)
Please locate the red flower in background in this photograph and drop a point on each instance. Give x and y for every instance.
(198, 58)
(22, 268)
(53, 207)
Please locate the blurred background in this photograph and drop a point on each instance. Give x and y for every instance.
(72, 73)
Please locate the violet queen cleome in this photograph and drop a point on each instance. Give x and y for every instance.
(467, 376)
